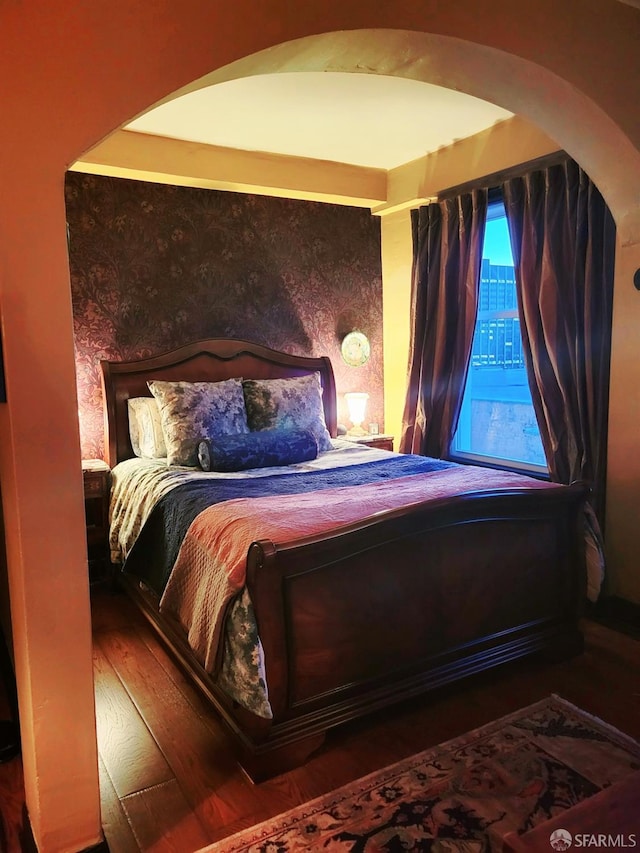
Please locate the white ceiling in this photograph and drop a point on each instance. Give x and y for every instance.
(361, 119)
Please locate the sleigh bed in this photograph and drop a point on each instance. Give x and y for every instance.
(410, 574)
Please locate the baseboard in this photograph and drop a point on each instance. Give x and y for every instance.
(617, 613)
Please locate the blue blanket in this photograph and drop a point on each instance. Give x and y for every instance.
(156, 549)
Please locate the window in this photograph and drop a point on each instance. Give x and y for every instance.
(497, 423)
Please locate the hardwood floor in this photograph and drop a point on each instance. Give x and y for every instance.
(169, 781)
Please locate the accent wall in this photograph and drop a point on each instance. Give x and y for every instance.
(156, 266)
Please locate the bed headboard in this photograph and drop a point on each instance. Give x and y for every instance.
(202, 361)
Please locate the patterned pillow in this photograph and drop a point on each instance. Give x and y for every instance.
(145, 428)
(294, 403)
(191, 410)
(263, 449)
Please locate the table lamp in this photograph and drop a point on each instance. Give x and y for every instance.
(356, 404)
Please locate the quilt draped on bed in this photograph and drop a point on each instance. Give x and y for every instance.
(155, 550)
(191, 544)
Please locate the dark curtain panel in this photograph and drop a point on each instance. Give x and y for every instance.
(447, 251)
(563, 242)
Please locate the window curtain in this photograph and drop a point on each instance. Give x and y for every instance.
(563, 243)
(447, 252)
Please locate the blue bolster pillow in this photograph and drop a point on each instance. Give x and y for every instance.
(263, 449)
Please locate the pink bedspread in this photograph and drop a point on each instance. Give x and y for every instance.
(211, 564)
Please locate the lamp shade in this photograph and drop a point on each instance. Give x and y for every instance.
(357, 405)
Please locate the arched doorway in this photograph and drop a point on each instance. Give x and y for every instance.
(71, 87)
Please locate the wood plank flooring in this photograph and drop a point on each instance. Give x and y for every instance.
(169, 781)
(168, 759)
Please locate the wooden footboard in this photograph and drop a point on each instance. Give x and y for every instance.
(428, 595)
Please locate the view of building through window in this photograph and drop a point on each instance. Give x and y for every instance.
(497, 422)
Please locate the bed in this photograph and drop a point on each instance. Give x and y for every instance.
(392, 594)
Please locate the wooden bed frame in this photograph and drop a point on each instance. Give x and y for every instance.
(383, 609)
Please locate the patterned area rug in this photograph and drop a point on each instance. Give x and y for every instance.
(464, 795)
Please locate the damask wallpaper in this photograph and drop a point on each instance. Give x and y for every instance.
(155, 266)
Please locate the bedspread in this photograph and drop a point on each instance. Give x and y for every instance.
(211, 564)
(138, 485)
(155, 551)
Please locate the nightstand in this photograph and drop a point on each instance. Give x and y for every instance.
(96, 475)
(382, 442)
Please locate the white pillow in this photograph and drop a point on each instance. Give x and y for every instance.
(145, 428)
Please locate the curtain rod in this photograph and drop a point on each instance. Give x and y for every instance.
(495, 179)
